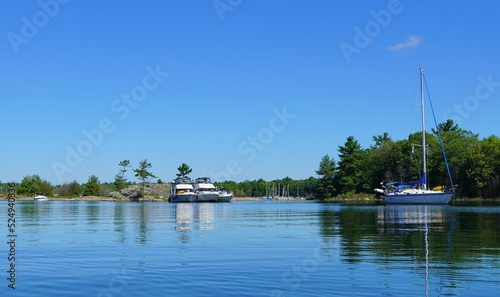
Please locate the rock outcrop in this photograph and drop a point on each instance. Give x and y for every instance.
(152, 192)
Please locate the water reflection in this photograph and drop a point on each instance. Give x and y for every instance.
(422, 219)
(35, 210)
(183, 216)
(408, 218)
(440, 245)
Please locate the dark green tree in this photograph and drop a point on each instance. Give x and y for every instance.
(92, 187)
(477, 168)
(120, 179)
(352, 168)
(326, 172)
(70, 189)
(448, 126)
(142, 173)
(380, 140)
(184, 170)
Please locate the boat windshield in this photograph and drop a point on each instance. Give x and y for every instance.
(183, 180)
(203, 180)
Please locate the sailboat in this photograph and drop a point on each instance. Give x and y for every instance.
(417, 192)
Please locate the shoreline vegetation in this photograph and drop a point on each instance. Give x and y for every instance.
(474, 165)
(341, 198)
(146, 199)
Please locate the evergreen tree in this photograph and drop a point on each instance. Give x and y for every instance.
(326, 171)
(142, 173)
(184, 170)
(120, 179)
(92, 187)
(380, 140)
(352, 168)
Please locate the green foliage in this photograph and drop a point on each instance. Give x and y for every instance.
(474, 163)
(184, 170)
(142, 173)
(479, 168)
(92, 187)
(352, 167)
(70, 189)
(257, 188)
(33, 185)
(120, 179)
(326, 171)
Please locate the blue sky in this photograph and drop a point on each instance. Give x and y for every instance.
(236, 89)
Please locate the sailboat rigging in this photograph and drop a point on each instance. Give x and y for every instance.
(417, 192)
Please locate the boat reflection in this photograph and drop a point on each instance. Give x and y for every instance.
(183, 216)
(420, 219)
(407, 218)
(197, 216)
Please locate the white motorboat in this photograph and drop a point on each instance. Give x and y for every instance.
(205, 190)
(225, 196)
(41, 198)
(182, 190)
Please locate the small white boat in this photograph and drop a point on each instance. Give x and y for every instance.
(40, 198)
(225, 196)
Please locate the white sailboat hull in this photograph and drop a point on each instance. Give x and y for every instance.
(419, 198)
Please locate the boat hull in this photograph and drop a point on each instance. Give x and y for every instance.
(179, 198)
(208, 197)
(423, 198)
(41, 198)
(225, 197)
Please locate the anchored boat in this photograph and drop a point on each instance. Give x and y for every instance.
(182, 190)
(417, 192)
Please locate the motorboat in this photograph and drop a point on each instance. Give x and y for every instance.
(182, 190)
(41, 198)
(205, 190)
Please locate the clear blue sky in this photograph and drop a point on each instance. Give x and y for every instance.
(239, 89)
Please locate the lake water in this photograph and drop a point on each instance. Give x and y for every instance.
(265, 248)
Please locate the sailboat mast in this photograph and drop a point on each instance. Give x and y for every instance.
(424, 155)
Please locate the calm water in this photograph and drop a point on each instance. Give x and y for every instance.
(266, 248)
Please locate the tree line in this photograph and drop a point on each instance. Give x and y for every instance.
(32, 185)
(474, 165)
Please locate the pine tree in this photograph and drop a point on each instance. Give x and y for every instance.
(184, 170)
(92, 187)
(351, 175)
(142, 173)
(326, 172)
(120, 179)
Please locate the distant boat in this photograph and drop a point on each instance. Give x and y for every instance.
(225, 196)
(40, 198)
(182, 190)
(205, 190)
(416, 192)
